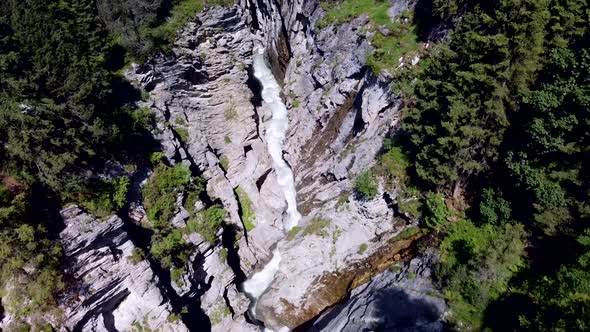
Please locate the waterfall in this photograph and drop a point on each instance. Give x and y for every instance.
(275, 135)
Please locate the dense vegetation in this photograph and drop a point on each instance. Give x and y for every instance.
(497, 129)
(494, 155)
(72, 133)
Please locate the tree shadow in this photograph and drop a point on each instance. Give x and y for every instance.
(390, 309)
(504, 314)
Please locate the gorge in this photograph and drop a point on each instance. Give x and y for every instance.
(279, 148)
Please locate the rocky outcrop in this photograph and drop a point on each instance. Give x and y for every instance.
(339, 113)
(400, 299)
(110, 290)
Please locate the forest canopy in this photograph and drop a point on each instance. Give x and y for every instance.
(499, 124)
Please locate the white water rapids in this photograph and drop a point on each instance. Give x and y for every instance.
(275, 135)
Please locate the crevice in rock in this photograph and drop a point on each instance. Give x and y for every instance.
(98, 309)
(218, 156)
(228, 241)
(324, 136)
(284, 51)
(247, 149)
(256, 98)
(187, 305)
(109, 321)
(261, 179)
(228, 302)
(359, 123)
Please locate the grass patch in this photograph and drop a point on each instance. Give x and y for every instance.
(223, 254)
(224, 163)
(342, 199)
(296, 103)
(180, 121)
(395, 268)
(388, 49)
(347, 10)
(401, 39)
(407, 233)
(247, 211)
(207, 223)
(227, 139)
(293, 232)
(231, 112)
(182, 134)
(317, 226)
(362, 248)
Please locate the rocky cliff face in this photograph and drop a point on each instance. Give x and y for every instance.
(112, 292)
(339, 112)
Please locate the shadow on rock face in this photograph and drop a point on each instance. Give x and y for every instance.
(396, 311)
(391, 309)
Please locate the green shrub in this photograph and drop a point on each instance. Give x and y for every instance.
(293, 232)
(247, 210)
(191, 198)
(164, 34)
(207, 223)
(436, 210)
(173, 317)
(296, 103)
(494, 209)
(393, 163)
(395, 268)
(180, 121)
(176, 276)
(366, 185)
(137, 255)
(219, 313)
(317, 226)
(171, 250)
(227, 139)
(106, 196)
(143, 117)
(362, 248)
(157, 157)
(476, 266)
(159, 193)
(411, 207)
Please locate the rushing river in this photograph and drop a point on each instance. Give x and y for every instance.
(275, 135)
